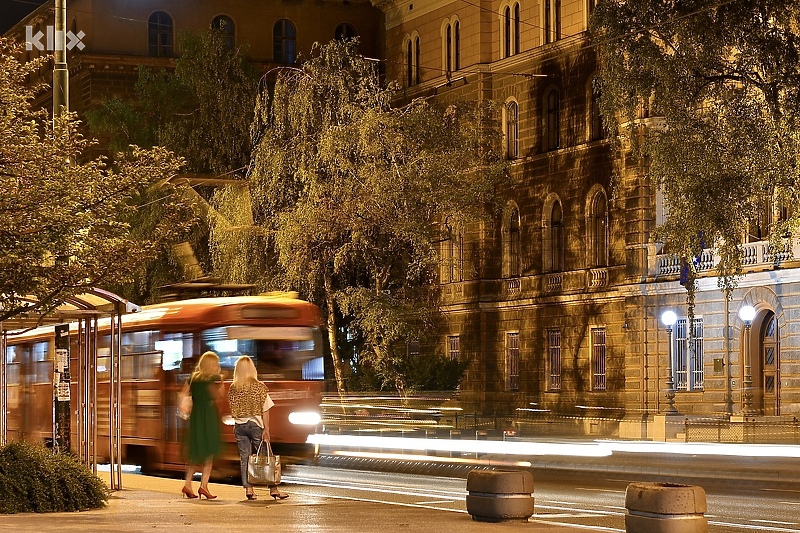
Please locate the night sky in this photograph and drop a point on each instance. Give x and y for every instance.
(12, 11)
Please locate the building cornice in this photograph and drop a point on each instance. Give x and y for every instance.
(397, 11)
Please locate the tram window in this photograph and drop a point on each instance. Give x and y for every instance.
(43, 363)
(138, 342)
(141, 366)
(172, 353)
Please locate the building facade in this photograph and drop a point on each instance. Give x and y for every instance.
(558, 302)
(119, 36)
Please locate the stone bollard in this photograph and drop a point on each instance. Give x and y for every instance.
(500, 496)
(665, 508)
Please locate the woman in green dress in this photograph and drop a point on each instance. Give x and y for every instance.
(203, 440)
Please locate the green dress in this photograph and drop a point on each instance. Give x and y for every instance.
(203, 442)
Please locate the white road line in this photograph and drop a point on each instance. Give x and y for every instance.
(754, 527)
(437, 501)
(775, 522)
(790, 503)
(576, 526)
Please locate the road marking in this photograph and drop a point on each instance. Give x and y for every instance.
(576, 526)
(436, 501)
(753, 527)
(775, 522)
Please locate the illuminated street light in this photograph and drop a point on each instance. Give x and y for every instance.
(668, 318)
(747, 313)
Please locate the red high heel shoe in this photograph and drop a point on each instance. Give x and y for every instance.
(203, 492)
(187, 493)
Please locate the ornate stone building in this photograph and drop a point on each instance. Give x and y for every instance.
(558, 302)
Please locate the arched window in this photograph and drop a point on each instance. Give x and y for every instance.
(225, 25)
(412, 59)
(510, 30)
(552, 20)
(417, 72)
(511, 129)
(284, 39)
(596, 131)
(552, 121)
(451, 45)
(512, 265)
(159, 33)
(345, 31)
(456, 255)
(555, 261)
(598, 237)
(507, 32)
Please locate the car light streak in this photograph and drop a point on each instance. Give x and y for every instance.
(464, 446)
(429, 458)
(372, 488)
(702, 448)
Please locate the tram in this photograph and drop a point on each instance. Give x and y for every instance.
(160, 347)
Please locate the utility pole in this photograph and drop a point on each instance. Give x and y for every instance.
(60, 72)
(61, 374)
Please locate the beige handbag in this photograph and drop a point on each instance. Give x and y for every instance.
(264, 469)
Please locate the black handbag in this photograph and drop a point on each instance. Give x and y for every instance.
(264, 469)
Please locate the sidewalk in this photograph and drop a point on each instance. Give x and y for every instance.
(154, 504)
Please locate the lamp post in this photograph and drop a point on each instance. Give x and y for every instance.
(668, 318)
(747, 313)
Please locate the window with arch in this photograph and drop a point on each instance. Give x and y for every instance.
(596, 131)
(451, 45)
(554, 236)
(412, 60)
(284, 42)
(225, 25)
(511, 129)
(512, 264)
(159, 34)
(453, 256)
(552, 20)
(345, 31)
(552, 120)
(598, 230)
(510, 41)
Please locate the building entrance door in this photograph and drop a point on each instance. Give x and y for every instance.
(769, 357)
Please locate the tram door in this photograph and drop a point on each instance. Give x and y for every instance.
(770, 365)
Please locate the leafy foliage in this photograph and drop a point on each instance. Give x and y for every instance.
(421, 373)
(351, 195)
(722, 78)
(201, 110)
(34, 479)
(64, 220)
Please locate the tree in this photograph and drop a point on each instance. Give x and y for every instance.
(722, 79)
(349, 198)
(63, 219)
(201, 110)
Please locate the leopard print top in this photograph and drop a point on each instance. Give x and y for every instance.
(247, 401)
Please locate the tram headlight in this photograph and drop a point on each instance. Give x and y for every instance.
(304, 418)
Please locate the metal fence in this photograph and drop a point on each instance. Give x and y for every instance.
(749, 431)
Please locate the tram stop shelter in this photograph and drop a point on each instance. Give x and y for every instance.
(83, 316)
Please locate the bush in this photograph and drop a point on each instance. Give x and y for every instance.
(34, 479)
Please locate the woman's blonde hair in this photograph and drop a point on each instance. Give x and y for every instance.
(207, 367)
(244, 372)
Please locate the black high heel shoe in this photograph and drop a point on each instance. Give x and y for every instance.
(203, 492)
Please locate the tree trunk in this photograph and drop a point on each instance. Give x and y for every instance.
(338, 371)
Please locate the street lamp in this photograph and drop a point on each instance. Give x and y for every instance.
(668, 318)
(747, 313)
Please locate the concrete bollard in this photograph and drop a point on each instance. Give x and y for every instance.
(500, 496)
(665, 508)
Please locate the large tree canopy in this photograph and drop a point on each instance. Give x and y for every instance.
(201, 110)
(722, 80)
(348, 197)
(63, 219)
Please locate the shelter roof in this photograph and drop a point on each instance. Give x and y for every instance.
(93, 302)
